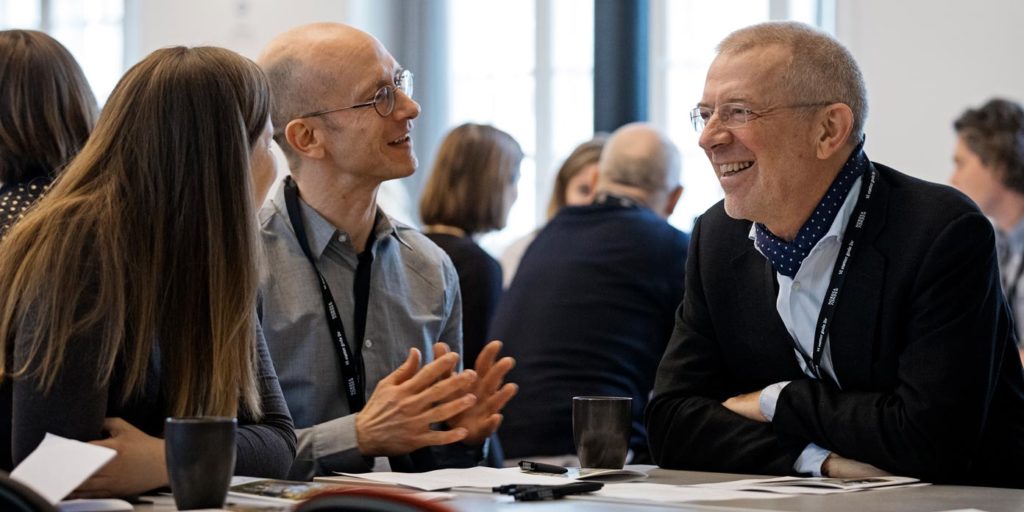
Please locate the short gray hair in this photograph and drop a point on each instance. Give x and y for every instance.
(821, 69)
(638, 155)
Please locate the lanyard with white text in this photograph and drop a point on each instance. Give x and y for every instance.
(351, 362)
(852, 235)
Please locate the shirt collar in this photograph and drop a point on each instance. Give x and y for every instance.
(1015, 236)
(320, 231)
(607, 198)
(826, 220)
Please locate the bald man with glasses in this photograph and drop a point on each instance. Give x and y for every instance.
(362, 314)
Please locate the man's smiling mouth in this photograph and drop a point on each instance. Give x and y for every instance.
(733, 168)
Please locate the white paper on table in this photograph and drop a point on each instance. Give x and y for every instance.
(59, 465)
(814, 485)
(101, 505)
(666, 493)
(606, 475)
(461, 477)
(285, 492)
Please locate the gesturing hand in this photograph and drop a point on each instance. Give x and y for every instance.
(483, 418)
(397, 417)
(139, 465)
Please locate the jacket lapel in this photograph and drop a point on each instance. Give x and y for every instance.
(753, 273)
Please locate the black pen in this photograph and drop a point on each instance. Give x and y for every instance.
(554, 492)
(540, 467)
(512, 488)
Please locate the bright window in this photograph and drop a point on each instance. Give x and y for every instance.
(20, 14)
(526, 68)
(92, 30)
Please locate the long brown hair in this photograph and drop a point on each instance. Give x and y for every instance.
(584, 155)
(48, 107)
(149, 237)
(474, 167)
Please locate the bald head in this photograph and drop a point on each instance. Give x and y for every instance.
(307, 66)
(640, 161)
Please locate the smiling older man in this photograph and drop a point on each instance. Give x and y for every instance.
(840, 318)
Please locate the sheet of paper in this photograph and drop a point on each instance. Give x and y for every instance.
(665, 493)
(102, 505)
(58, 466)
(464, 477)
(248, 490)
(798, 485)
(607, 475)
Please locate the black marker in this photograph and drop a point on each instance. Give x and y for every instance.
(513, 488)
(540, 467)
(554, 492)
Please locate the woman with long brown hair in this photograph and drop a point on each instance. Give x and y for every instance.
(469, 192)
(128, 294)
(48, 112)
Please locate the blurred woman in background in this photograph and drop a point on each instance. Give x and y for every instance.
(48, 112)
(128, 294)
(574, 186)
(469, 192)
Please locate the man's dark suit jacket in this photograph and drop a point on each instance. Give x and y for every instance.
(589, 313)
(922, 343)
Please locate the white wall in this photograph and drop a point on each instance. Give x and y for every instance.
(924, 62)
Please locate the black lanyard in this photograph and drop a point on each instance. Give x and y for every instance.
(852, 235)
(624, 202)
(351, 362)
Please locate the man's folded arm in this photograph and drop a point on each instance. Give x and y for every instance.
(930, 422)
(689, 428)
(813, 456)
(687, 425)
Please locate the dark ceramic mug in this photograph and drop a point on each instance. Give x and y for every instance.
(200, 460)
(601, 426)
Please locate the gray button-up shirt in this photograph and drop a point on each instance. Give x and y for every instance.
(1010, 247)
(414, 302)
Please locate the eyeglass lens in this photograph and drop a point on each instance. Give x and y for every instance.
(729, 114)
(699, 117)
(384, 100)
(404, 82)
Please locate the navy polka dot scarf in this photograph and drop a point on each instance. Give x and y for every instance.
(786, 257)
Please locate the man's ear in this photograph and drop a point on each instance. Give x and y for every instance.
(594, 178)
(305, 139)
(673, 200)
(834, 125)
